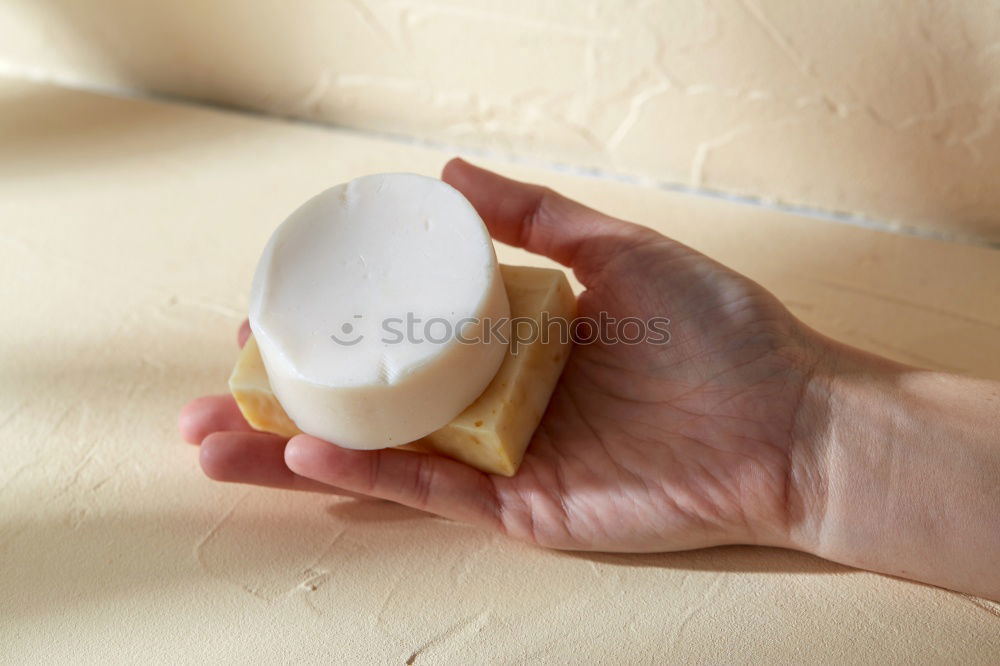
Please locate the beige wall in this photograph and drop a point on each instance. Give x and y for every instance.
(885, 108)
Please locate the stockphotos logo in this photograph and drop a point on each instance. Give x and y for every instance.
(516, 332)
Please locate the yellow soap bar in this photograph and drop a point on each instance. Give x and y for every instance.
(249, 385)
(493, 432)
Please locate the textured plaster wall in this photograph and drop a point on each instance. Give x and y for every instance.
(887, 109)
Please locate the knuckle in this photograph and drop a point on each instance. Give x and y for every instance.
(423, 480)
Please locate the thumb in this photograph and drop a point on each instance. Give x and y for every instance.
(542, 221)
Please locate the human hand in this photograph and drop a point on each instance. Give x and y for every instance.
(644, 447)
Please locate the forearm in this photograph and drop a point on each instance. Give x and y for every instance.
(908, 471)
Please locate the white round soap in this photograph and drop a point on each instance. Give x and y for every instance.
(371, 304)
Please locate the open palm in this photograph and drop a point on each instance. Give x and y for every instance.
(644, 447)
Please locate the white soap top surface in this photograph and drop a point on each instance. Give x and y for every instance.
(341, 276)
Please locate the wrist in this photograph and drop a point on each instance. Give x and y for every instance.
(896, 470)
(813, 435)
(843, 446)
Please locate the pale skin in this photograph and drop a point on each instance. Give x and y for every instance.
(747, 428)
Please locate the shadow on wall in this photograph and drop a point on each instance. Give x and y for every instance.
(186, 48)
(48, 129)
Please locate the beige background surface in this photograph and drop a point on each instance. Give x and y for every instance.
(886, 109)
(128, 233)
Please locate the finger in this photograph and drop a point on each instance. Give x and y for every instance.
(243, 333)
(255, 458)
(542, 221)
(211, 413)
(419, 480)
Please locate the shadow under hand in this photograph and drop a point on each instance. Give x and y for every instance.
(741, 559)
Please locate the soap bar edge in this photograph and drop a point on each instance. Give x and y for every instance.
(269, 416)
